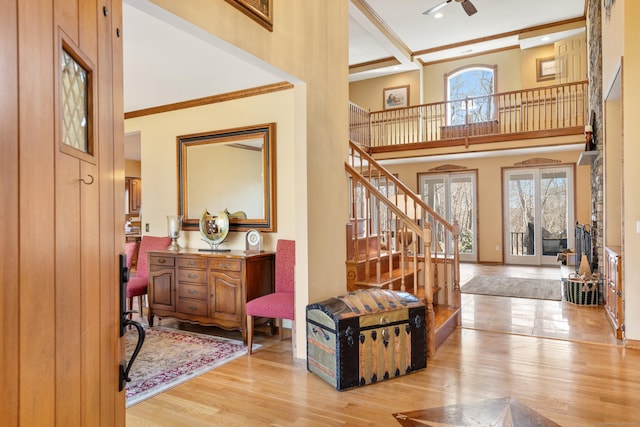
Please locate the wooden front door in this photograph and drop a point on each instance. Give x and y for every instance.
(62, 174)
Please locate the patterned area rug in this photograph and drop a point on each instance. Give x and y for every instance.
(169, 357)
(502, 412)
(514, 287)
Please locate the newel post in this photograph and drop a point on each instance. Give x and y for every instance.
(428, 291)
(457, 297)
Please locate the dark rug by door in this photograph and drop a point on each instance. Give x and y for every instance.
(516, 287)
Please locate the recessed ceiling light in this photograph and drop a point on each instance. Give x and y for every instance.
(438, 15)
(546, 38)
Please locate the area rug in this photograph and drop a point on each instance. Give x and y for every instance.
(501, 412)
(170, 357)
(516, 287)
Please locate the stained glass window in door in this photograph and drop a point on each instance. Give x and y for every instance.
(75, 103)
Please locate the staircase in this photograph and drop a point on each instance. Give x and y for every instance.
(395, 241)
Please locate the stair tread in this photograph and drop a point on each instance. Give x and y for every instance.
(385, 278)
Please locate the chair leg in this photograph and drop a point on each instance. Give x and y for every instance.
(140, 306)
(281, 328)
(250, 333)
(130, 307)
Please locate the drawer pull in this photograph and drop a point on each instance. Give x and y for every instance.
(192, 291)
(191, 263)
(192, 276)
(162, 261)
(193, 308)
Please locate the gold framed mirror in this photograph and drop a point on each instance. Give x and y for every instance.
(230, 170)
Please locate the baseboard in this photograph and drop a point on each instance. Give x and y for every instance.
(634, 344)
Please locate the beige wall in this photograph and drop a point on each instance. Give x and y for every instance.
(309, 42)
(489, 175)
(159, 153)
(516, 70)
(368, 94)
(631, 172)
(132, 168)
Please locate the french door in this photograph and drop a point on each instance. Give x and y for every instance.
(538, 213)
(453, 196)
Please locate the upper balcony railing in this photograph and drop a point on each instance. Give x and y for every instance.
(530, 113)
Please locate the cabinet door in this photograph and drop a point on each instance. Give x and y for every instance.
(134, 187)
(162, 290)
(226, 297)
(613, 290)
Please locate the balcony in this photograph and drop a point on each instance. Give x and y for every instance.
(543, 112)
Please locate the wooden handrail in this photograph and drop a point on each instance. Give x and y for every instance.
(405, 190)
(381, 239)
(528, 111)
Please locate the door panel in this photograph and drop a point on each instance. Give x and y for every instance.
(571, 63)
(453, 196)
(538, 212)
(64, 329)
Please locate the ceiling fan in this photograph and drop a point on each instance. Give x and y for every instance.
(466, 5)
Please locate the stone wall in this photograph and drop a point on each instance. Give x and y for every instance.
(594, 45)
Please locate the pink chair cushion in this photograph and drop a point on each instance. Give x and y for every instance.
(149, 243)
(130, 249)
(137, 286)
(139, 283)
(276, 306)
(285, 263)
(280, 304)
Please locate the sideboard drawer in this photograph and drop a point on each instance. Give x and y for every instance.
(192, 306)
(225, 264)
(192, 263)
(194, 276)
(163, 261)
(192, 291)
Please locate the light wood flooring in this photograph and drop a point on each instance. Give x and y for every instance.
(557, 359)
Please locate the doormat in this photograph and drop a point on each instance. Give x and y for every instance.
(515, 287)
(170, 357)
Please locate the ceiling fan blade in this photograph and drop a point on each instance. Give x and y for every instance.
(469, 7)
(436, 7)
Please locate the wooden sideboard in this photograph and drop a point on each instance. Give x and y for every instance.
(208, 288)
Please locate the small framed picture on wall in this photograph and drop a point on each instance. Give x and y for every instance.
(545, 69)
(395, 97)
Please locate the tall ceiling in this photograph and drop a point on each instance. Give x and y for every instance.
(168, 60)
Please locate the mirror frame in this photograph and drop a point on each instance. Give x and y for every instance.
(268, 134)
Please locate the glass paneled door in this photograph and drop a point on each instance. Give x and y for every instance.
(453, 196)
(538, 211)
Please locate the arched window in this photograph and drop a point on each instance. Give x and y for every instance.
(469, 92)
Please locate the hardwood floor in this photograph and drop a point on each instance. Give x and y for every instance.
(542, 318)
(556, 359)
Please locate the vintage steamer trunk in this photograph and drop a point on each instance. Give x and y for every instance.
(366, 336)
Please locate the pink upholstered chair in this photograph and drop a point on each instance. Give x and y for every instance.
(280, 304)
(130, 249)
(138, 284)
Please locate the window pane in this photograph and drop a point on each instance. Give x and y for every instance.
(522, 213)
(553, 199)
(75, 104)
(476, 83)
